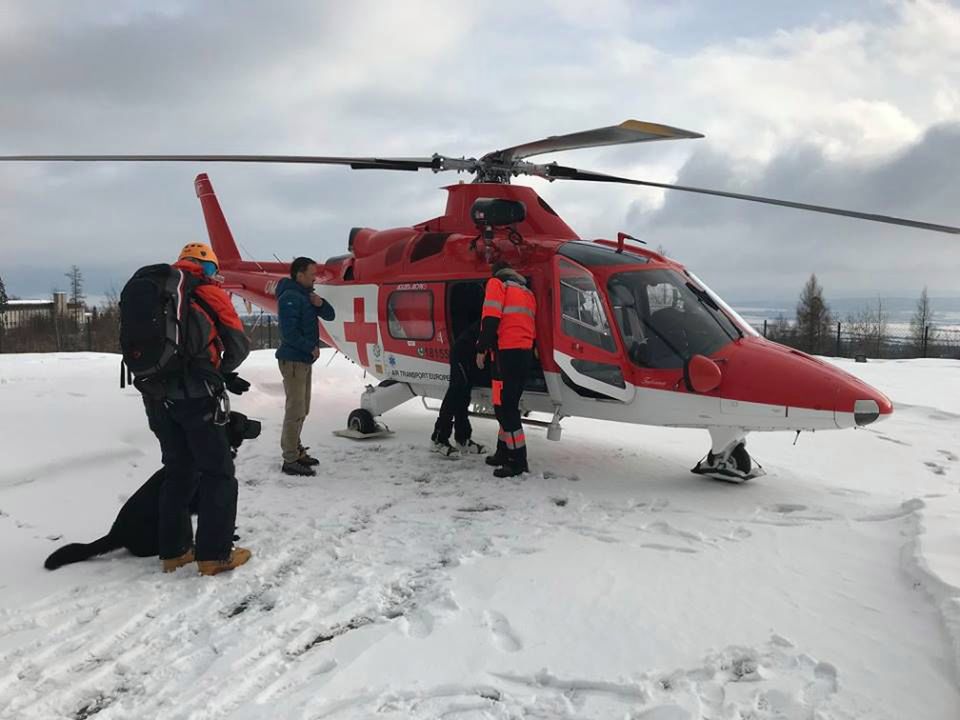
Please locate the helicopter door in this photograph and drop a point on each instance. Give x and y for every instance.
(585, 346)
(413, 329)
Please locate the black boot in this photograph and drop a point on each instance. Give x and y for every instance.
(516, 464)
(500, 456)
(297, 468)
(306, 459)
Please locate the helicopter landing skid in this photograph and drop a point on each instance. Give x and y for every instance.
(711, 466)
(728, 459)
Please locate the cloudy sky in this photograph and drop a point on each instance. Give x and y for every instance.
(850, 103)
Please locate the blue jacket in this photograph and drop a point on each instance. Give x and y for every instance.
(299, 330)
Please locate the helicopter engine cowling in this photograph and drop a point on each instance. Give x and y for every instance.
(367, 241)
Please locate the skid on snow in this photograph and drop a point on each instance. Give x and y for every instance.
(357, 435)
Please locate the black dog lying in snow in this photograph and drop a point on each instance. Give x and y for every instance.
(137, 527)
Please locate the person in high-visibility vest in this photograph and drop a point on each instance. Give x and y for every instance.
(507, 333)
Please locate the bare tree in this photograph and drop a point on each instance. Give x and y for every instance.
(77, 298)
(781, 330)
(868, 330)
(814, 321)
(921, 320)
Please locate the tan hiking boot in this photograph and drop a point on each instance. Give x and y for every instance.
(171, 564)
(238, 556)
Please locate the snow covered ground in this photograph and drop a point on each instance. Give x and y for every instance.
(611, 583)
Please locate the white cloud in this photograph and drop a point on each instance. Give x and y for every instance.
(408, 79)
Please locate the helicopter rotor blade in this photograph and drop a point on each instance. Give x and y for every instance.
(560, 172)
(357, 163)
(629, 131)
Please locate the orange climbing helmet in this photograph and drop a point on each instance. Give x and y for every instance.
(199, 251)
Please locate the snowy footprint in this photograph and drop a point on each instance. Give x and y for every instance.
(503, 635)
(417, 624)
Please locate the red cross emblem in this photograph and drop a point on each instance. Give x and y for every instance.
(360, 331)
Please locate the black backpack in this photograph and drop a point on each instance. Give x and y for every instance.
(154, 314)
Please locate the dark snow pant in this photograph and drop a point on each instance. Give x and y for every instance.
(454, 411)
(197, 460)
(510, 375)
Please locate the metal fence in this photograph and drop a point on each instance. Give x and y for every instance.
(847, 339)
(97, 330)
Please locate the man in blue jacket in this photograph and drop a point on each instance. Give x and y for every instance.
(298, 308)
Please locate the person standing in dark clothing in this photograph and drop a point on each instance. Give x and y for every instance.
(508, 331)
(299, 308)
(454, 411)
(188, 414)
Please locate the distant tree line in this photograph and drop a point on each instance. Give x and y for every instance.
(82, 327)
(815, 330)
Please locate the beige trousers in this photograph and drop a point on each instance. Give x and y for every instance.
(296, 386)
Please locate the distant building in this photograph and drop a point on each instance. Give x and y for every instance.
(17, 313)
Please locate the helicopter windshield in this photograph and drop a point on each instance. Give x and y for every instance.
(664, 319)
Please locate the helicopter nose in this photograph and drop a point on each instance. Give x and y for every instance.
(858, 404)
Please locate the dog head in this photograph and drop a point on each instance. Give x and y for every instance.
(241, 428)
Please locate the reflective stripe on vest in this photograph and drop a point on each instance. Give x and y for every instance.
(517, 328)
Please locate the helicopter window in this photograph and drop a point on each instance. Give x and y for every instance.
(410, 314)
(582, 313)
(662, 319)
(587, 253)
(429, 244)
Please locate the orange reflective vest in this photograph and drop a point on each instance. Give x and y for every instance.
(516, 307)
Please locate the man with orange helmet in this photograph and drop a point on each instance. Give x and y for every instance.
(187, 408)
(508, 331)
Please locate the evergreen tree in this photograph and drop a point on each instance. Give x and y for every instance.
(814, 322)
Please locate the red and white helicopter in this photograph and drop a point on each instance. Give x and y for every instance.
(623, 333)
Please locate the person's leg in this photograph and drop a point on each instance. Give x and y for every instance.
(461, 389)
(515, 365)
(294, 410)
(496, 392)
(307, 391)
(175, 531)
(217, 490)
(443, 428)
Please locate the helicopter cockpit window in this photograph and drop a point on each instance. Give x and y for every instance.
(664, 320)
(582, 314)
(410, 314)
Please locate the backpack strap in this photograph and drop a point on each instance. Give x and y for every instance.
(190, 295)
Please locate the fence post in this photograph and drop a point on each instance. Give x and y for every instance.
(269, 331)
(838, 339)
(926, 336)
(56, 325)
(764, 328)
(90, 334)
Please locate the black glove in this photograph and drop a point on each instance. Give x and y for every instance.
(235, 384)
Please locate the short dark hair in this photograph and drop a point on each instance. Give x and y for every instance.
(500, 265)
(299, 265)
